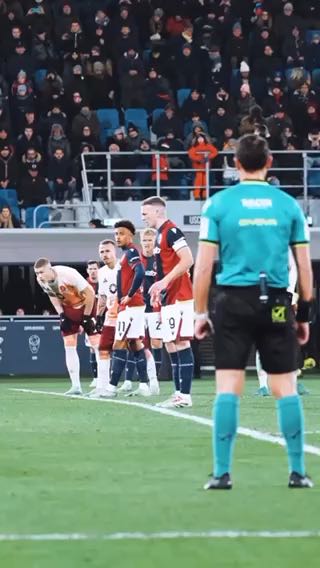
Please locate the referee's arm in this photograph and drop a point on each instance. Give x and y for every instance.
(305, 280)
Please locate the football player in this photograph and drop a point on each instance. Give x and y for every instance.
(173, 291)
(73, 299)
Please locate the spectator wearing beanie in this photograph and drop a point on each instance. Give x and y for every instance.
(237, 48)
(33, 189)
(245, 102)
(286, 21)
(31, 158)
(101, 87)
(266, 65)
(118, 137)
(19, 60)
(134, 137)
(8, 168)
(186, 68)
(157, 31)
(58, 139)
(86, 137)
(274, 98)
(261, 37)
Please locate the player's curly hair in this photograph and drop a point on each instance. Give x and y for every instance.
(126, 224)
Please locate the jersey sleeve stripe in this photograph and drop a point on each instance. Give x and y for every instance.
(206, 242)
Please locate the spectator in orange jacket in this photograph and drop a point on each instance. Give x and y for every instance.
(200, 153)
(163, 165)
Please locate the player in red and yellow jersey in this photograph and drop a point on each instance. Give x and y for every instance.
(73, 299)
(173, 290)
(130, 321)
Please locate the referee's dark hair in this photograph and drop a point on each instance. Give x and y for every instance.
(126, 224)
(252, 152)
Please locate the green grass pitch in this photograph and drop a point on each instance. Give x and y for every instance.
(76, 466)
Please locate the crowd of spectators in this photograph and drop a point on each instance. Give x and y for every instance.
(250, 67)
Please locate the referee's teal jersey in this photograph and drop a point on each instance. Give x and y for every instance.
(254, 224)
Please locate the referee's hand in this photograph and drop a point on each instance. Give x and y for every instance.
(203, 328)
(303, 332)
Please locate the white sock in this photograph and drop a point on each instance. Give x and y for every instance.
(151, 367)
(73, 366)
(262, 375)
(103, 377)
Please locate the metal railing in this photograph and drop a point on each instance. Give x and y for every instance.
(103, 177)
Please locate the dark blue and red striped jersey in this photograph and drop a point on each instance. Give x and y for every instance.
(126, 274)
(150, 273)
(169, 241)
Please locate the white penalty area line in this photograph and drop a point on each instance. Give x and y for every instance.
(165, 535)
(248, 432)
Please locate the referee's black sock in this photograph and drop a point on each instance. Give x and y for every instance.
(186, 367)
(119, 359)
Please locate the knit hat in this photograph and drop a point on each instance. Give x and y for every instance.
(244, 67)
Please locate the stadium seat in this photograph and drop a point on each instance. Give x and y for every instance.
(10, 195)
(39, 76)
(146, 56)
(42, 216)
(109, 121)
(310, 34)
(316, 77)
(156, 113)
(182, 95)
(139, 117)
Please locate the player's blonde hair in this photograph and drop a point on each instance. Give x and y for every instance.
(41, 262)
(148, 232)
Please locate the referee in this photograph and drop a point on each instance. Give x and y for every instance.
(252, 225)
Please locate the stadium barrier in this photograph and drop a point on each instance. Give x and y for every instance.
(33, 346)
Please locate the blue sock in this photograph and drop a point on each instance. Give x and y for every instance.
(94, 365)
(141, 363)
(186, 367)
(226, 418)
(119, 359)
(291, 423)
(157, 355)
(130, 366)
(175, 369)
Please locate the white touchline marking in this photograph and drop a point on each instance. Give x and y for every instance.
(248, 432)
(164, 535)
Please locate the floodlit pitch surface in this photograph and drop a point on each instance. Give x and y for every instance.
(101, 484)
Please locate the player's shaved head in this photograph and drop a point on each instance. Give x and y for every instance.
(107, 242)
(154, 202)
(41, 263)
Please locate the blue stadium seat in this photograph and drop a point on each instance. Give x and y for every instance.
(42, 217)
(139, 117)
(109, 121)
(316, 77)
(156, 113)
(10, 195)
(310, 34)
(146, 56)
(182, 95)
(39, 76)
